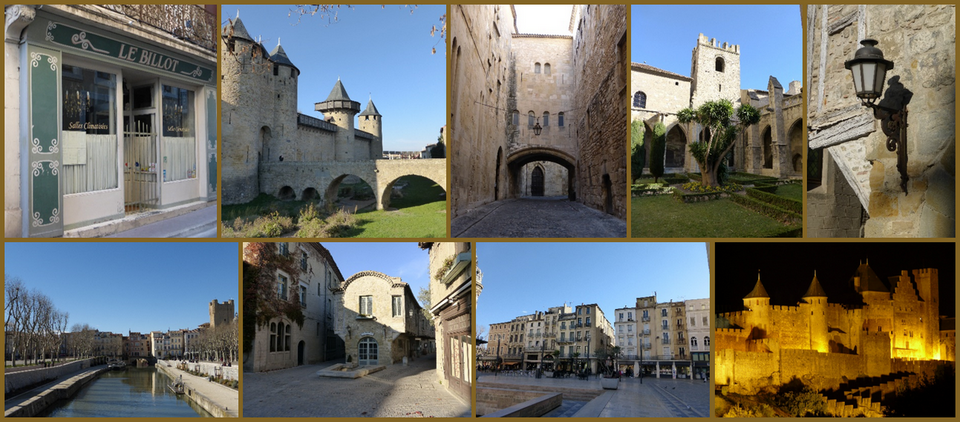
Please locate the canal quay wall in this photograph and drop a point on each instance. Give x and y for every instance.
(212, 399)
(19, 380)
(61, 391)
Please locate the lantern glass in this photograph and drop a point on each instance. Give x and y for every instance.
(857, 78)
(881, 75)
(869, 70)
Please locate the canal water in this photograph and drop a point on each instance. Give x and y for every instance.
(131, 393)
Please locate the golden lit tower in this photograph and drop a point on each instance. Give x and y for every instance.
(758, 302)
(816, 301)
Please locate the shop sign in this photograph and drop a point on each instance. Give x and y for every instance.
(88, 41)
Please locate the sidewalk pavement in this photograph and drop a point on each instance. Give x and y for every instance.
(225, 397)
(397, 391)
(663, 398)
(180, 221)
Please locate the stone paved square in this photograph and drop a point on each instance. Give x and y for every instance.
(397, 391)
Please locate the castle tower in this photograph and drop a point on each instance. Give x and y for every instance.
(715, 69)
(928, 287)
(758, 302)
(340, 110)
(816, 300)
(878, 310)
(371, 122)
(242, 57)
(221, 313)
(284, 125)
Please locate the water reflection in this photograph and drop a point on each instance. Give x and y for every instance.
(134, 392)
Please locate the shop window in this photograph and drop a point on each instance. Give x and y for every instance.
(179, 139)
(89, 133)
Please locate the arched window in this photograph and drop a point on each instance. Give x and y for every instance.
(280, 337)
(693, 341)
(640, 99)
(706, 340)
(560, 119)
(536, 67)
(516, 117)
(546, 68)
(530, 118)
(286, 338)
(546, 118)
(273, 336)
(719, 64)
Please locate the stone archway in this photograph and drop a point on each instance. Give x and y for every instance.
(287, 194)
(333, 189)
(795, 137)
(309, 194)
(675, 151)
(517, 159)
(385, 195)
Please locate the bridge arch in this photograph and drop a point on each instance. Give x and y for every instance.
(333, 189)
(387, 188)
(517, 159)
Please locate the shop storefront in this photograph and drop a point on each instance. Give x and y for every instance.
(114, 118)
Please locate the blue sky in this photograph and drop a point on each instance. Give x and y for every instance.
(522, 277)
(770, 38)
(396, 259)
(385, 52)
(135, 286)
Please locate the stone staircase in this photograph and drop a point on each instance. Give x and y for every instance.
(865, 395)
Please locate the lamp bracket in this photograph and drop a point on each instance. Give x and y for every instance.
(893, 122)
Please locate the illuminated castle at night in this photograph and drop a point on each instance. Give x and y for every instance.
(884, 330)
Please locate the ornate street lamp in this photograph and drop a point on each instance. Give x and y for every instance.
(869, 70)
(537, 128)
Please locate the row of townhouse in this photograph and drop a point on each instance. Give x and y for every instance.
(670, 339)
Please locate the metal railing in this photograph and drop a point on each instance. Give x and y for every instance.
(189, 22)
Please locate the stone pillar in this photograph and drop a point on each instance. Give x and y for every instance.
(777, 131)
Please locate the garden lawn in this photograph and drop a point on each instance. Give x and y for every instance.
(790, 191)
(664, 216)
(428, 220)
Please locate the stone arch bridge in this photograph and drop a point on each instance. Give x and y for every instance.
(309, 180)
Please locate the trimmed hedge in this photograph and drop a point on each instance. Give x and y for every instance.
(766, 209)
(779, 201)
(645, 189)
(696, 197)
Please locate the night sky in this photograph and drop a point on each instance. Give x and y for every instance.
(786, 269)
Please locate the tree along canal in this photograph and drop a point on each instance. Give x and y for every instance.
(132, 392)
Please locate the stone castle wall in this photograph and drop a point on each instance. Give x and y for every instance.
(554, 179)
(600, 69)
(920, 40)
(708, 83)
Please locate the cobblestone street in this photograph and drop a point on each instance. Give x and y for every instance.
(397, 391)
(538, 218)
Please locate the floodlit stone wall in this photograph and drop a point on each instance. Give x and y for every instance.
(920, 40)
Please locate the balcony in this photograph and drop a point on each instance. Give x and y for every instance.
(191, 23)
(629, 319)
(646, 346)
(645, 319)
(665, 341)
(679, 326)
(681, 341)
(646, 332)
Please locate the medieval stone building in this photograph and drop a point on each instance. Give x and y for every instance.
(282, 342)
(573, 87)
(873, 328)
(451, 306)
(379, 320)
(854, 187)
(270, 147)
(773, 147)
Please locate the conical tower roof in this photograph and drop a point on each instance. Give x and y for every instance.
(815, 290)
(758, 291)
(338, 100)
(371, 109)
(338, 93)
(869, 281)
(236, 29)
(278, 56)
